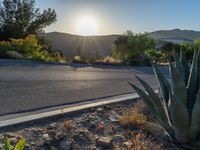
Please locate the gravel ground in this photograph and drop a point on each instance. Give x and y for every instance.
(93, 129)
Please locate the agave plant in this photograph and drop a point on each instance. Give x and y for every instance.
(177, 110)
(19, 146)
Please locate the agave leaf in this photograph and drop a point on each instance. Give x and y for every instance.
(192, 83)
(178, 85)
(179, 65)
(180, 119)
(7, 144)
(185, 67)
(161, 107)
(20, 145)
(198, 68)
(195, 120)
(147, 100)
(164, 84)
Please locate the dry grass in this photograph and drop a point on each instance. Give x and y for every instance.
(68, 124)
(137, 117)
(141, 108)
(140, 141)
(132, 118)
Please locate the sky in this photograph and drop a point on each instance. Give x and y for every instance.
(117, 16)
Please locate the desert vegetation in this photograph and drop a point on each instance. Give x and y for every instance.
(20, 27)
(178, 109)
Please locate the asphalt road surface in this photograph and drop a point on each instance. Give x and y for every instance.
(26, 87)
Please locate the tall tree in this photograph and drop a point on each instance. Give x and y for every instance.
(19, 18)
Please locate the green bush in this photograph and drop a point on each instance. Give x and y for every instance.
(155, 55)
(178, 112)
(28, 48)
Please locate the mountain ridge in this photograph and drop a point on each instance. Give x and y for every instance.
(101, 45)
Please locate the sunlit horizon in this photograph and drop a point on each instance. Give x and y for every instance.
(115, 16)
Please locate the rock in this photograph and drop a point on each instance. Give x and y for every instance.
(51, 126)
(99, 110)
(13, 140)
(65, 144)
(52, 133)
(118, 139)
(114, 118)
(46, 135)
(104, 142)
(127, 145)
(83, 139)
(11, 135)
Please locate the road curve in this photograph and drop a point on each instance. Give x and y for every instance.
(35, 86)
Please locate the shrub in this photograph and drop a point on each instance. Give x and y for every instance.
(179, 109)
(29, 48)
(133, 118)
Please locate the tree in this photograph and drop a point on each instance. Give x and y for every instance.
(154, 55)
(19, 18)
(130, 45)
(166, 49)
(197, 43)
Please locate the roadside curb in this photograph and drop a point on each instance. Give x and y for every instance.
(13, 120)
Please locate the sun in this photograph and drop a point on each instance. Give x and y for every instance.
(86, 26)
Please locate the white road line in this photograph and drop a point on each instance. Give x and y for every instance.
(32, 117)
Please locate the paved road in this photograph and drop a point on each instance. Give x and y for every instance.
(25, 87)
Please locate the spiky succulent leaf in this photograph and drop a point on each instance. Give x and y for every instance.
(180, 119)
(195, 120)
(185, 67)
(192, 83)
(198, 68)
(178, 85)
(179, 65)
(164, 84)
(161, 107)
(147, 100)
(20, 145)
(7, 144)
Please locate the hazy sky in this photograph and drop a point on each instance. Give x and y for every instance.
(117, 16)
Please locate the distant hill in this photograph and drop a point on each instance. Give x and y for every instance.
(72, 45)
(189, 35)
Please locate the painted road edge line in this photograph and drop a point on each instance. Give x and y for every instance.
(23, 119)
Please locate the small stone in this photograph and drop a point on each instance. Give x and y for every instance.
(104, 142)
(127, 145)
(40, 129)
(118, 139)
(65, 144)
(13, 140)
(45, 136)
(51, 126)
(11, 135)
(99, 110)
(114, 118)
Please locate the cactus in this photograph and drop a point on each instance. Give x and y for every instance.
(177, 110)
